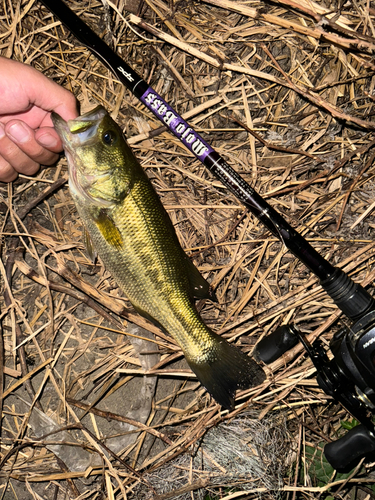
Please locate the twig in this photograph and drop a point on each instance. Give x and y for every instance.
(352, 186)
(41, 196)
(197, 485)
(275, 147)
(8, 302)
(2, 378)
(119, 418)
(319, 101)
(225, 237)
(365, 44)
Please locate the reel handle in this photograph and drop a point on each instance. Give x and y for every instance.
(346, 452)
(276, 344)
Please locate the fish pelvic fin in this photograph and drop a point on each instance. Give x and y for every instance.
(90, 250)
(108, 229)
(225, 370)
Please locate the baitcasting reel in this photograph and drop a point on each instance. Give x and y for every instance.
(349, 377)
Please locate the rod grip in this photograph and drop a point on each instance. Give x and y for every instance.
(353, 300)
(276, 344)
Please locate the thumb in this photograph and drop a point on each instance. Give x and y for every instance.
(49, 96)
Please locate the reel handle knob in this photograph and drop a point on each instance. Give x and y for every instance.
(276, 344)
(346, 452)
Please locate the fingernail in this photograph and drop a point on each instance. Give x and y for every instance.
(18, 132)
(47, 140)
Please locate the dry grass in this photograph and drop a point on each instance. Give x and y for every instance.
(285, 93)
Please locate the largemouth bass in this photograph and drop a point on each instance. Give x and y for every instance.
(133, 235)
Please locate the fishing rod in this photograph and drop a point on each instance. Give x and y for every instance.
(351, 298)
(349, 376)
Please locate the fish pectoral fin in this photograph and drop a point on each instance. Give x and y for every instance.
(108, 229)
(224, 369)
(199, 287)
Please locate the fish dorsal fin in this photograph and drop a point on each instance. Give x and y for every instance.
(91, 253)
(199, 287)
(108, 229)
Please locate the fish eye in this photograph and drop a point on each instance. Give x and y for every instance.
(109, 137)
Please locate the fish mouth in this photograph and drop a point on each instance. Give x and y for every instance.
(74, 134)
(81, 130)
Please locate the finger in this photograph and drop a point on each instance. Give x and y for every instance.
(7, 172)
(48, 138)
(13, 154)
(24, 138)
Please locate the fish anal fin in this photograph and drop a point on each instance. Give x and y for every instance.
(225, 370)
(108, 229)
(148, 316)
(199, 287)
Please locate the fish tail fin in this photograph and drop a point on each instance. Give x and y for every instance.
(225, 369)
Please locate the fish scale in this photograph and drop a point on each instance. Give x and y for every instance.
(133, 235)
(149, 269)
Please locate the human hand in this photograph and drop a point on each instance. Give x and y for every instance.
(27, 136)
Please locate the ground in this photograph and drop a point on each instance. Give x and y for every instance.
(286, 94)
